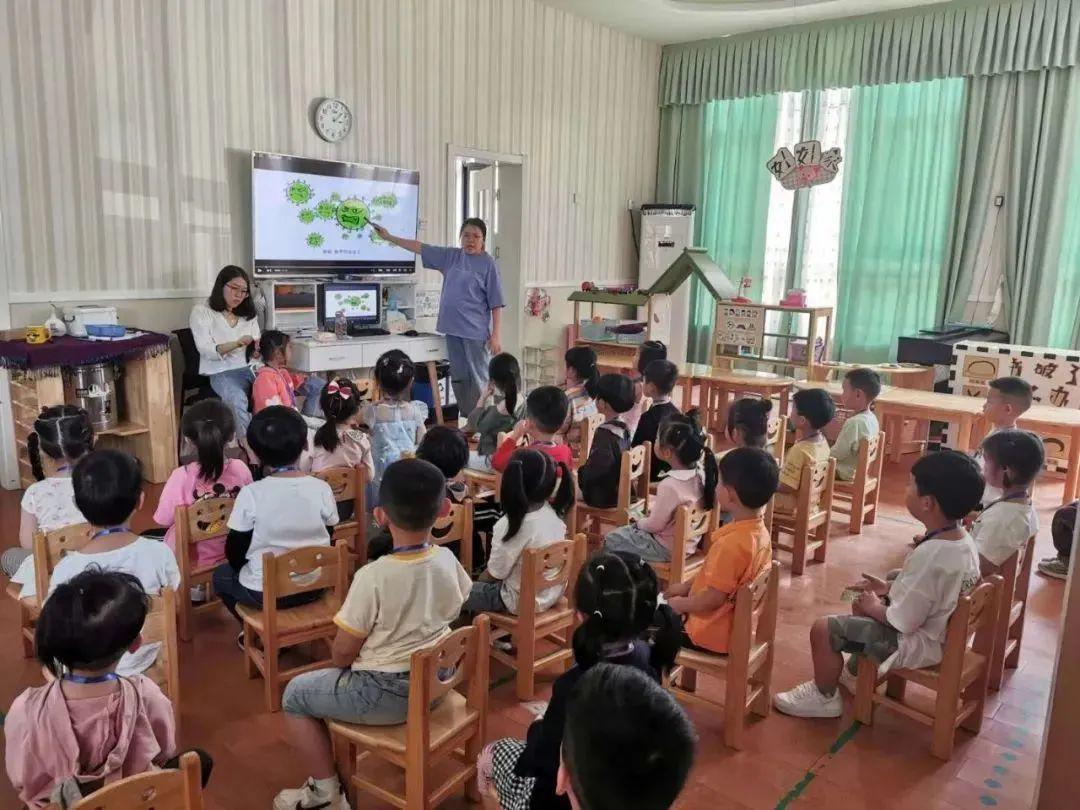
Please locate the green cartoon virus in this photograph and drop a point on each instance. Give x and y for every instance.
(352, 215)
(326, 209)
(307, 216)
(387, 200)
(298, 192)
(315, 240)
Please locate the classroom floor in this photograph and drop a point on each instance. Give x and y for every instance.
(787, 763)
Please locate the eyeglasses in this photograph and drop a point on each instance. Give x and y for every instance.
(241, 291)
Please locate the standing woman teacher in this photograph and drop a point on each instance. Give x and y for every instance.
(470, 310)
(223, 328)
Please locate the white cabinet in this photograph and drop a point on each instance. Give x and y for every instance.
(310, 355)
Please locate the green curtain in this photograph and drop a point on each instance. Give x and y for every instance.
(1064, 331)
(899, 193)
(714, 156)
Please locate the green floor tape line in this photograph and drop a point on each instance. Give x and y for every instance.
(808, 777)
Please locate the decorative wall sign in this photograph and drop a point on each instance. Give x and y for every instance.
(804, 165)
(741, 329)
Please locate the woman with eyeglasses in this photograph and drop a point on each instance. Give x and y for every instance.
(224, 328)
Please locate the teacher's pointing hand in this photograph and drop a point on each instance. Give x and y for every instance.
(380, 230)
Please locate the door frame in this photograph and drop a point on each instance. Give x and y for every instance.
(9, 459)
(453, 153)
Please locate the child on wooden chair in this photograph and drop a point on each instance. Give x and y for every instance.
(582, 374)
(598, 477)
(89, 724)
(1012, 460)
(860, 388)
(647, 352)
(396, 422)
(1006, 400)
(691, 481)
(545, 410)
(396, 605)
(339, 441)
(627, 743)
(811, 410)
(497, 411)
(748, 422)
(536, 493)
(908, 629)
(659, 378)
(738, 552)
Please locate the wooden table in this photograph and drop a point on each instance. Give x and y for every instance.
(718, 386)
(1046, 420)
(900, 403)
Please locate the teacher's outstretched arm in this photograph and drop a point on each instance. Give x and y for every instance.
(412, 245)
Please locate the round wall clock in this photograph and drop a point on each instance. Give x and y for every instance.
(333, 120)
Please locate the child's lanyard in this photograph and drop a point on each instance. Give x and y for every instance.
(1012, 495)
(286, 468)
(89, 679)
(63, 468)
(407, 549)
(931, 535)
(287, 380)
(109, 530)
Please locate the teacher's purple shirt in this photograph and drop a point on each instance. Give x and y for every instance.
(471, 289)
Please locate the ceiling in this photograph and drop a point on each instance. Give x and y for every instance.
(669, 21)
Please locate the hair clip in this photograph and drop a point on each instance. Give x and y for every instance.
(341, 390)
(600, 568)
(598, 613)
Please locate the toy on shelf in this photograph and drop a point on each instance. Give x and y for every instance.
(744, 286)
(795, 298)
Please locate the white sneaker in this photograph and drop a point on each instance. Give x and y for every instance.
(309, 797)
(806, 700)
(847, 680)
(198, 594)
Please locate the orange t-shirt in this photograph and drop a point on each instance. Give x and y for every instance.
(737, 553)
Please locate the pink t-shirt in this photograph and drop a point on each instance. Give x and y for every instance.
(184, 488)
(678, 488)
(353, 450)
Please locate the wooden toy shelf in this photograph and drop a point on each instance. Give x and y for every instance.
(741, 331)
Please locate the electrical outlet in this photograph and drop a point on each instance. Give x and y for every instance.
(630, 205)
(999, 200)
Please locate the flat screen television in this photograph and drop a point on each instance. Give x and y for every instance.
(313, 217)
(358, 301)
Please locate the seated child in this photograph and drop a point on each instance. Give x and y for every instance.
(861, 387)
(545, 410)
(1062, 530)
(65, 435)
(812, 409)
(497, 410)
(617, 602)
(627, 743)
(286, 510)
(748, 422)
(530, 480)
(339, 441)
(275, 384)
(908, 630)
(738, 552)
(660, 377)
(395, 422)
(598, 477)
(446, 448)
(208, 426)
(691, 482)
(396, 605)
(1006, 400)
(108, 491)
(647, 352)
(582, 374)
(88, 725)
(1012, 460)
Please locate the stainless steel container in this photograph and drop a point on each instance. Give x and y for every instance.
(95, 392)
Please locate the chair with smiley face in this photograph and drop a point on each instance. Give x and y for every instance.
(206, 519)
(349, 486)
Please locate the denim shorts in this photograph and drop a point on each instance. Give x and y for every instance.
(637, 541)
(485, 597)
(364, 697)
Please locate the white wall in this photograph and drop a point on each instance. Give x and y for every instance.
(127, 127)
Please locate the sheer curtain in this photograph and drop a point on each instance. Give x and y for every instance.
(899, 192)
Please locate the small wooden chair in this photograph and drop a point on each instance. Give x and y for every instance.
(776, 438)
(302, 570)
(812, 510)
(587, 430)
(858, 498)
(154, 790)
(747, 668)
(349, 485)
(633, 495)
(487, 484)
(454, 730)
(551, 566)
(1016, 575)
(200, 521)
(160, 626)
(691, 524)
(48, 549)
(959, 681)
(457, 526)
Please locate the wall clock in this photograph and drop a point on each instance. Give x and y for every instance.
(333, 120)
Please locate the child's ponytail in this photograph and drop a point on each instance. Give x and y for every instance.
(63, 432)
(531, 479)
(209, 425)
(505, 373)
(683, 434)
(583, 360)
(340, 402)
(748, 420)
(512, 497)
(563, 501)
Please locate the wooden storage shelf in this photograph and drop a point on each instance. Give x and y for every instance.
(740, 332)
(125, 428)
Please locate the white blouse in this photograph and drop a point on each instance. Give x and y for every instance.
(210, 330)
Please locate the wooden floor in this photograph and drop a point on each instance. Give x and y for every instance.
(788, 763)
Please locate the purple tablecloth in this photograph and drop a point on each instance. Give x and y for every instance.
(68, 351)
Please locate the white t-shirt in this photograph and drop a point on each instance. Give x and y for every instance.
(52, 503)
(1003, 528)
(149, 561)
(924, 594)
(538, 529)
(401, 603)
(283, 514)
(210, 329)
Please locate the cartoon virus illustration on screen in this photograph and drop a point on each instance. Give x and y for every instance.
(315, 239)
(326, 209)
(352, 215)
(307, 216)
(387, 200)
(298, 192)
